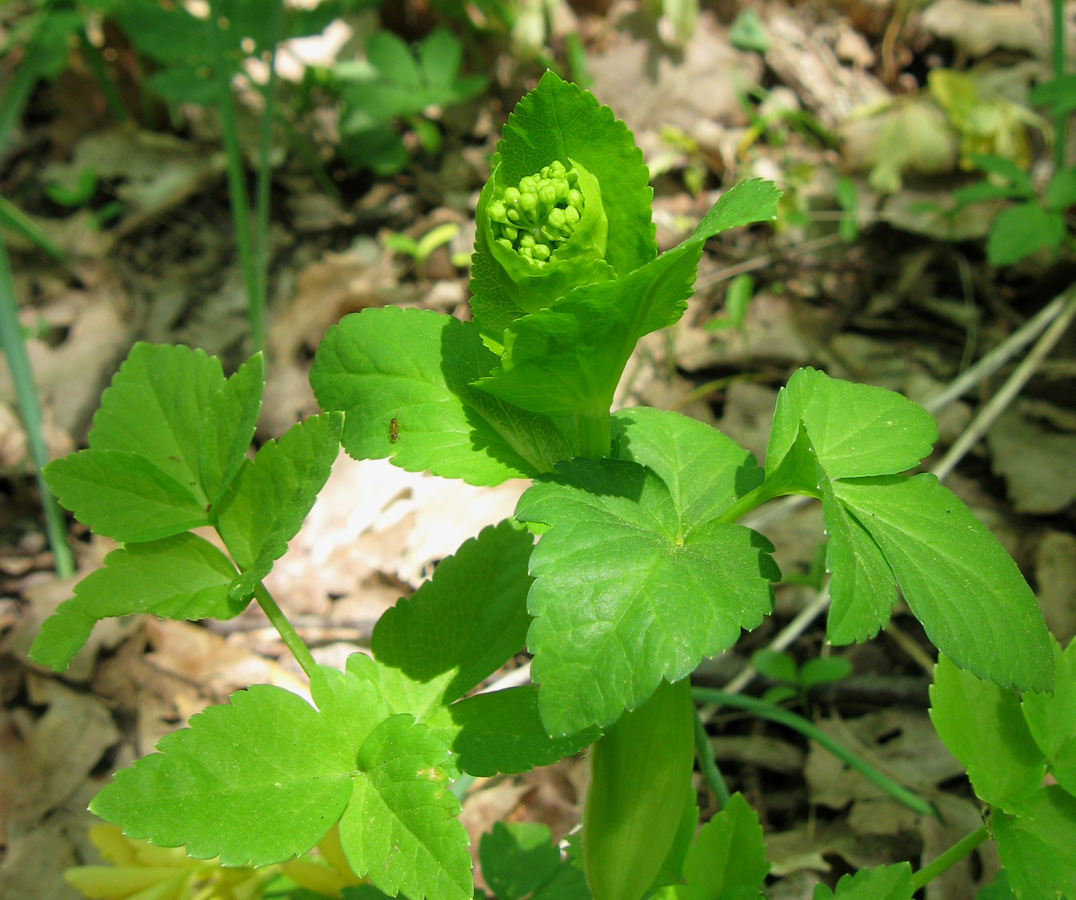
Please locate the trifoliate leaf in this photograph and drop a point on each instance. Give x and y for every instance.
(256, 781)
(179, 577)
(982, 726)
(1037, 845)
(468, 620)
(855, 429)
(958, 580)
(124, 496)
(1052, 719)
(628, 591)
(265, 505)
(415, 369)
(881, 883)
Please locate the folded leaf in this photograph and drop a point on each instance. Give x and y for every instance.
(414, 368)
(180, 577)
(264, 507)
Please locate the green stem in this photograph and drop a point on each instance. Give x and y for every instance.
(810, 731)
(1061, 125)
(237, 188)
(764, 493)
(93, 59)
(594, 435)
(15, 351)
(949, 858)
(705, 755)
(287, 632)
(265, 179)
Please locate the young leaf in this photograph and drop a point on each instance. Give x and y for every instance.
(468, 620)
(265, 505)
(754, 200)
(179, 577)
(1021, 230)
(1038, 845)
(255, 782)
(881, 883)
(124, 496)
(1052, 719)
(415, 368)
(854, 429)
(234, 414)
(982, 726)
(628, 590)
(729, 853)
(517, 858)
(956, 577)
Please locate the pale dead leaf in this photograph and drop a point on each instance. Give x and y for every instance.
(1037, 463)
(978, 28)
(1055, 578)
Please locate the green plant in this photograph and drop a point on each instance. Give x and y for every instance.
(640, 571)
(395, 84)
(793, 681)
(420, 250)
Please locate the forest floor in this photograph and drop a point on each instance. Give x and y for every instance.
(863, 276)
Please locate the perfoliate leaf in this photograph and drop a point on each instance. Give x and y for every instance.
(468, 620)
(123, 495)
(255, 782)
(628, 590)
(1052, 719)
(881, 883)
(265, 505)
(728, 853)
(982, 726)
(855, 429)
(179, 577)
(1037, 845)
(956, 577)
(415, 369)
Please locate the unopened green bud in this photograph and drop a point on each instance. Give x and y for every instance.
(542, 252)
(575, 199)
(571, 216)
(511, 195)
(528, 203)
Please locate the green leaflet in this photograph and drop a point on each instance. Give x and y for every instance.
(845, 443)
(958, 580)
(880, 883)
(179, 577)
(982, 726)
(635, 581)
(265, 505)
(415, 368)
(518, 860)
(727, 859)
(1052, 718)
(1038, 845)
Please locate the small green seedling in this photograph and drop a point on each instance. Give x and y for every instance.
(797, 681)
(738, 296)
(622, 570)
(420, 250)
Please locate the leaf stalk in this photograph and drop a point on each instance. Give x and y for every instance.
(286, 630)
(949, 858)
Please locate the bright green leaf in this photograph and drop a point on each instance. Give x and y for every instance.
(265, 505)
(998, 889)
(855, 429)
(180, 577)
(824, 670)
(256, 782)
(982, 726)
(776, 665)
(468, 620)
(729, 852)
(627, 591)
(1052, 719)
(416, 367)
(124, 496)
(234, 414)
(400, 827)
(881, 883)
(1038, 845)
(750, 201)
(958, 580)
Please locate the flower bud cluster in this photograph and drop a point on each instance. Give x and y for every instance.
(539, 215)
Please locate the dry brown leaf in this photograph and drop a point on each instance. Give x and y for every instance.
(979, 28)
